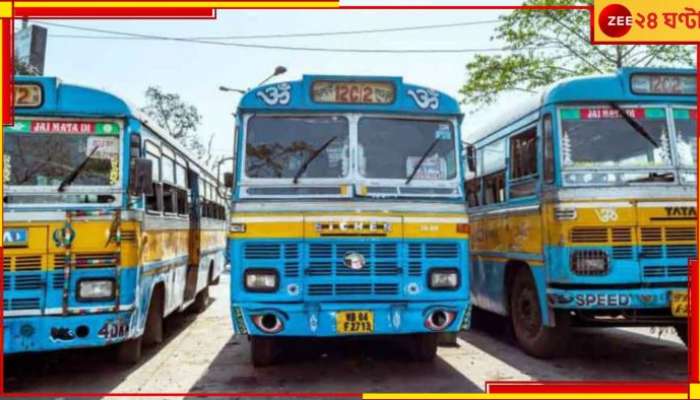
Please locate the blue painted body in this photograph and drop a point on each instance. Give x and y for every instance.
(314, 283)
(34, 300)
(646, 275)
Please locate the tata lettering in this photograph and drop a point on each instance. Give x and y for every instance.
(680, 211)
(609, 300)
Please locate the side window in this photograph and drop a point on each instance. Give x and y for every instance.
(548, 149)
(473, 190)
(494, 188)
(523, 163)
(155, 201)
(493, 166)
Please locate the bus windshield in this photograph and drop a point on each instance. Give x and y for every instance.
(398, 148)
(686, 121)
(38, 159)
(601, 138)
(284, 147)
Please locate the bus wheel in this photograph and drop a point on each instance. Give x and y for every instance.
(682, 332)
(423, 346)
(201, 300)
(153, 332)
(129, 352)
(536, 339)
(262, 350)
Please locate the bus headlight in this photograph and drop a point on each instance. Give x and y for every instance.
(589, 262)
(443, 279)
(95, 289)
(261, 280)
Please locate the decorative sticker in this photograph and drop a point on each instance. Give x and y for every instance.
(107, 147)
(114, 171)
(443, 132)
(279, 94)
(432, 169)
(6, 168)
(425, 98)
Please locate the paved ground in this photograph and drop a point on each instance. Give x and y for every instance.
(200, 355)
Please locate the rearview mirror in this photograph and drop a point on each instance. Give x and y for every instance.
(141, 181)
(471, 158)
(228, 179)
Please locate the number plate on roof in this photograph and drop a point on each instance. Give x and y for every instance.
(28, 95)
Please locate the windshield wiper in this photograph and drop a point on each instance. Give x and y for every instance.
(312, 157)
(654, 177)
(422, 160)
(74, 174)
(634, 124)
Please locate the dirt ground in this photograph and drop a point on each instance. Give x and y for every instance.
(201, 355)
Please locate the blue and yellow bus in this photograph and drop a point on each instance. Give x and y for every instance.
(582, 206)
(109, 225)
(348, 216)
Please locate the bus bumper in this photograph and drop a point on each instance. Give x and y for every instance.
(50, 333)
(613, 299)
(319, 320)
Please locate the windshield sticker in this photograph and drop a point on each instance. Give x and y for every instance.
(107, 148)
(610, 113)
(443, 132)
(65, 127)
(6, 168)
(685, 114)
(433, 168)
(114, 170)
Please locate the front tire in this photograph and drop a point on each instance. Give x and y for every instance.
(533, 337)
(682, 332)
(153, 332)
(129, 352)
(262, 350)
(423, 346)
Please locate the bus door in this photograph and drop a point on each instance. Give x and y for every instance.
(194, 237)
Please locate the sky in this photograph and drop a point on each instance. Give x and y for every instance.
(195, 71)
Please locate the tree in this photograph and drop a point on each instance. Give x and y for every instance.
(543, 46)
(23, 68)
(178, 118)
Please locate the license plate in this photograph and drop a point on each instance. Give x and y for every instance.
(679, 303)
(354, 322)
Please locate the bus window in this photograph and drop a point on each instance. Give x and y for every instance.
(686, 121)
(494, 157)
(154, 202)
(494, 188)
(548, 149)
(473, 191)
(523, 163)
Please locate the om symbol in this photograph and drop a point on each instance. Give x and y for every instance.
(425, 98)
(606, 214)
(277, 94)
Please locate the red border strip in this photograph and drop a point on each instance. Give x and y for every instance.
(492, 387)
(115, 13)
(587, 387)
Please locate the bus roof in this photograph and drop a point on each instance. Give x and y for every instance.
(615, 87)
(62, 99)
(301, 95)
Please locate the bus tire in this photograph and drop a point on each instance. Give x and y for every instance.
(201, 301)
(153, 331)
(534, 338)
(423, 347)
(682, 332)
(262, 351)
(129, 352)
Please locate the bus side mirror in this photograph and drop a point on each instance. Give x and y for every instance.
(471, 158)
(228, 180)
(141, 181)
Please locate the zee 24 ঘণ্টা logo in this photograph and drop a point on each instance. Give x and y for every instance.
(616, 20)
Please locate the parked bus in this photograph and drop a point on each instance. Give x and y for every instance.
(583, 206)
(109, 224)
(348, 216)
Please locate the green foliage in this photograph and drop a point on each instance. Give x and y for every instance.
(543, 46)
(22, 68)
(178, 118)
